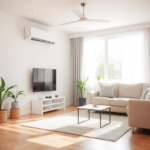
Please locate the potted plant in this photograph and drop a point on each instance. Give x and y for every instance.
(4, 93)
(82, 87)
(15, 104)
(98, 77)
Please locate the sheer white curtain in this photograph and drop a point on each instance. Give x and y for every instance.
(93, 53)
(146, 56)
(132, 57)
(121, 58)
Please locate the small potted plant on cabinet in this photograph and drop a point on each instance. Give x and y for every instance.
(4, 93)
(15, 110)
(82, 87)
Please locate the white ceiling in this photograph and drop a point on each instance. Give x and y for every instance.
(55, 12)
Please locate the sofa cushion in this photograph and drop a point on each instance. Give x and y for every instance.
(123, 102)
(130, 90)
(116, 85)
(144, 94)
(106, 90)
(116, 89)
(127, 110)
(147, 96)
(145, 86)
(100, 100)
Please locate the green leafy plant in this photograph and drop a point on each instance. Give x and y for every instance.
(15, 96)
(98, 77)
(82, 86)
(5, 93)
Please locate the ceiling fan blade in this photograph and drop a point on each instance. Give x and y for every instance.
(79, 14)
(98, 20)
(70, 22)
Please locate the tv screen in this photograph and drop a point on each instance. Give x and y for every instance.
(44, 79)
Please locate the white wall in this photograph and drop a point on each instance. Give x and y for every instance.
(18, 57)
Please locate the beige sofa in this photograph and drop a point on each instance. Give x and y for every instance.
(123, 93)
(139, 114)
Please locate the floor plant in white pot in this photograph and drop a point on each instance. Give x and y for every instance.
(4, 93)
(15, 104)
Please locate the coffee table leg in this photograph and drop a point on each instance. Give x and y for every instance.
(110, 115)
(78, 116)
(109, 119)
(84, 120)
(100, 119)
(89, 114)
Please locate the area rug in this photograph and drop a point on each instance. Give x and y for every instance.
(67, 123)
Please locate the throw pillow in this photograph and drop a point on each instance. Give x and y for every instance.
(145, 93)
(106, 90)
(148, 95)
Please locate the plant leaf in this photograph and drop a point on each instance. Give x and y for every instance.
(7, 94)
(2, 88)
(81, 85)
(11, 87)
(20, 93)
(2, 83)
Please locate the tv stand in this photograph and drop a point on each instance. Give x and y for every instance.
(49, 104)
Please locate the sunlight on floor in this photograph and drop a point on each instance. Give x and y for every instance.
(52, 140)
(20, 129)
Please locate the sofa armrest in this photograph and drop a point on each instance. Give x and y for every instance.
(139, 113)
(90, 95)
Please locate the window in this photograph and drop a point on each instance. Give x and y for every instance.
(93, 59)
(115, 59)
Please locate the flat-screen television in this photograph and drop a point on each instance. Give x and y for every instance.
(44, 79)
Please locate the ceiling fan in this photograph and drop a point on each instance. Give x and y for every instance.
(83, 18)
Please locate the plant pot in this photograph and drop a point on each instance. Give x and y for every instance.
(82, 101)
(15, 104)
(15, 113)
(3, 116)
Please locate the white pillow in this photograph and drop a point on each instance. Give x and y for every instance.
(148, 95)
(106, 90)
(145, 93)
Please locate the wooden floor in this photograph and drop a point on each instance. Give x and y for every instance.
(13, 136)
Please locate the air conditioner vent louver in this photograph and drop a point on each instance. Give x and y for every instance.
(40, 40)
(39, 35)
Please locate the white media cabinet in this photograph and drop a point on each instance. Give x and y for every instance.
(45, 105)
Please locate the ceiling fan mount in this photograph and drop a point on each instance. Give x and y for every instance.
(83, 4)
(83, 18)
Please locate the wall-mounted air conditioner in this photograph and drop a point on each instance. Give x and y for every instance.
(35, 34)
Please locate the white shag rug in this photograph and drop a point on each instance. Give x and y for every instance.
(67, 123)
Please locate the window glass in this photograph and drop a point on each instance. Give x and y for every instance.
(115, 58)
(93, 60)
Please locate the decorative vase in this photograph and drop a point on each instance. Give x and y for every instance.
(3, 116)
(95, 104)
(82, 101)
(15, 104)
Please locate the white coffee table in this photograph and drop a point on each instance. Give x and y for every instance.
(99, 108)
